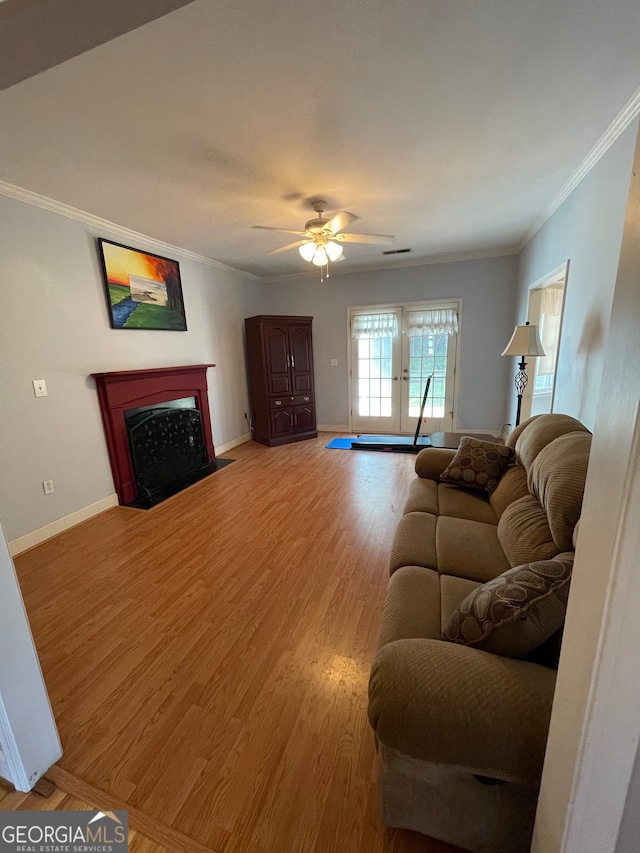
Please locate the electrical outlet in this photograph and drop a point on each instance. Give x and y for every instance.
(40, 388)
(334, 362)
(47, 485)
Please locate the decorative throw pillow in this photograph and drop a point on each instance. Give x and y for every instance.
(478, 464)
(516, 612)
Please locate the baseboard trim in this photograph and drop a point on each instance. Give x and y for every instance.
(162, 834)
(333, 428)
(229, 445)
(29, 540)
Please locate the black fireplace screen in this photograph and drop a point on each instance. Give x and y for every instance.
(167, 445)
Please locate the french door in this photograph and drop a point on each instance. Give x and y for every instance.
(393, 351)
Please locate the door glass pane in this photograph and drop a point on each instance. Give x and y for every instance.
(374, 376)
(428, 354)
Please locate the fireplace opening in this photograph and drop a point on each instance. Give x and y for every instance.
(168, 449)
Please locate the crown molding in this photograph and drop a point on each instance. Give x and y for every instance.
(617, 127)
(149, 243)
(398, 264)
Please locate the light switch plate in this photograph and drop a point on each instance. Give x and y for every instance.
(40, 388)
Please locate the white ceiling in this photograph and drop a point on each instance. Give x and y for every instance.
(449, 123)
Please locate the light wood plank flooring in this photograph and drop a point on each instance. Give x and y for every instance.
(207, 661)
(11, 800)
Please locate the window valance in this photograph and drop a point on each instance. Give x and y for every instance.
(438, 321)
(374, 326)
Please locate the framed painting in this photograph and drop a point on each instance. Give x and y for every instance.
(144, 291)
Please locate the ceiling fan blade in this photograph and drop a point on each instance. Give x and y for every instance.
(341, 220)
(365, 238)
(281, 230)
(286, 248)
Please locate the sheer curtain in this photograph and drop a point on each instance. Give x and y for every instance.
(438, 321)
(374, 326)
(550, 316)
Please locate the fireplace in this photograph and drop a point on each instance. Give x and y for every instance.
(158, 430)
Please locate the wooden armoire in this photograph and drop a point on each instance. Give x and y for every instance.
(280, 368)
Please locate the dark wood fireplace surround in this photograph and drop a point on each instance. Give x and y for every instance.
(132, 389)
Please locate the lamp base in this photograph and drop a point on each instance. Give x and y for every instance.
(521, 382)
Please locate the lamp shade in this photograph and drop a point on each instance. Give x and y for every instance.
(525, 340)
(333, 250)
(308, 250)
(320, 257)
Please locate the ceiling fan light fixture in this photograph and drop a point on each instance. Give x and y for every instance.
(308, 250)
(320, 258)
(333, 250)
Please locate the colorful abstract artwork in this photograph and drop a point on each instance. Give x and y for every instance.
(143, 291)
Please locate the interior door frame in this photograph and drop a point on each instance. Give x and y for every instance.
(561, 271)
(416, 304)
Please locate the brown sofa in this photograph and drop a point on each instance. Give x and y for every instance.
(460, 731)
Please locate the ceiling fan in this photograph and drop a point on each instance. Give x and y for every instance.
(322, 238)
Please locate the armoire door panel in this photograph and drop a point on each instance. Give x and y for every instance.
(281, 422)
(277, 353)
(304, 418)
(302, 359)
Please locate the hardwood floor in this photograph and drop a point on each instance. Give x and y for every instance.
(207, 661)
(11, 800)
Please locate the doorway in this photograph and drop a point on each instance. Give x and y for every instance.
(546, 307)
(394, 348)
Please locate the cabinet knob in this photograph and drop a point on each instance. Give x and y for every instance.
(278, 402)
(307, 399)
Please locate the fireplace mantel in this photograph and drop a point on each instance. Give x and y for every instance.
(132, 389)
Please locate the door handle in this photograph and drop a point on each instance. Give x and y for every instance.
(406, 378)
(395, 378)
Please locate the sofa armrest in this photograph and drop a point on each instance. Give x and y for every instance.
(432, 461)
(452, 704)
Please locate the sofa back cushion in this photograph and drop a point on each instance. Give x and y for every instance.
(512, 486)
(540, 431)
(524, 532)
(557, 478)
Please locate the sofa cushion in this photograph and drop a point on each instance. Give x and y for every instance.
(512, 486)
(453, 592)
(414, 543)
(516, 612)
(541, 431)
(411, 606)
(432, 461)
(468, 549)
(557, 479)
(423, 496)
(477, 464)
(524, 532)
(461, 503)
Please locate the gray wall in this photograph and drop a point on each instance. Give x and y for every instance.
(488, 290)
(54, 326)
(587, 230)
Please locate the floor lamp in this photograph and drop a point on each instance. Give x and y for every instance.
(525, 341)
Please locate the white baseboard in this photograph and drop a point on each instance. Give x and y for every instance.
(332, 427)
(17, 546)
(229, 445)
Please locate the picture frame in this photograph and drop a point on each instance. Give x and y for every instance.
(143, 290)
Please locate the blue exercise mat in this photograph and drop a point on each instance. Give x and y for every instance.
(340, 444)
